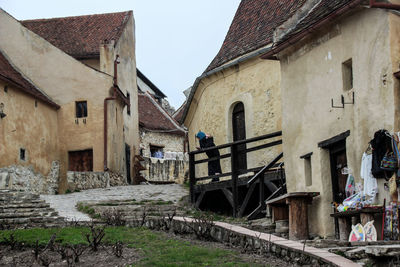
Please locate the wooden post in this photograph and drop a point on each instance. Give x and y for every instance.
(234, 179)
(366, 217)
(298, 218)
(344, 228)
(262, 193)
(192, 177)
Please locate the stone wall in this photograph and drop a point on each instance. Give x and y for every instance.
(90, 180)
(26, 179)
(160, 170)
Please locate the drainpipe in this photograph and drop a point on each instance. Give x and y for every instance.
(373, 4)
(113, 97)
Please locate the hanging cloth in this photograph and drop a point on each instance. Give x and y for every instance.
(370, 184)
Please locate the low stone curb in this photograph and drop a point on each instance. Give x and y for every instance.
(253, 240)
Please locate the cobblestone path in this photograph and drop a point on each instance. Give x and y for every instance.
(65, 204)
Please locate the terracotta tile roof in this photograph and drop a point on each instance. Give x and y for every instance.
(11, 75)
(80, 36)
(253, 27)
(153, 117)
(179, 113)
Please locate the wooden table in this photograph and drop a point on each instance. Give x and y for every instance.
(344, 219)
(298, 212)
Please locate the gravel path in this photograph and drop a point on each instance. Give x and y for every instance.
(65, 204)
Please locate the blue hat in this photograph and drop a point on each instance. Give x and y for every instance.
(200, 135)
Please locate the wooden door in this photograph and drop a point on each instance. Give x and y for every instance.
(80, 161)
(239, 133)
(338, 162)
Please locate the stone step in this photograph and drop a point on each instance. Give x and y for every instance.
(39, 219)
(39, 205)
(17, 201)
(32, 214)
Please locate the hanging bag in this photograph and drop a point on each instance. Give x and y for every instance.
(390, 160)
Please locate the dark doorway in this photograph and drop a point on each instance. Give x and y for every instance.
(338, 161)
(239, 133)
(80, 161)
(128, 163)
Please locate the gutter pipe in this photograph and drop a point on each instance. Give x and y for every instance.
(115, 94)
(373, 4)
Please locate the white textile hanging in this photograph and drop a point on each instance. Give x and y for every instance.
(370, 184)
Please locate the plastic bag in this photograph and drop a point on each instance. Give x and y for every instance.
(352, 201)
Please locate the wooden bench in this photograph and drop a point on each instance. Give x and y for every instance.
(344, 219)
(298, 212)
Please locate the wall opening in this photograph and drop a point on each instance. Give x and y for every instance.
(22, 155)
(80, 161)
(307, 171)
(347, 74)
(81, 109)
(239, 133)
(128, 110)
(157, 151)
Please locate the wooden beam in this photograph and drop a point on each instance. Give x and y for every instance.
(199, 199)
(246, 200)
(245, 141)
(229, 196)
(328, 142)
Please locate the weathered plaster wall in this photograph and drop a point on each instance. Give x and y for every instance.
(65, 80)
(30, 127)
(160, 170)
(254, 82)
(311, 77)
(125, 48)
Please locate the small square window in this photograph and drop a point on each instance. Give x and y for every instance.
(22, 154)
(157, 151)
(347, 74)
(81, 109)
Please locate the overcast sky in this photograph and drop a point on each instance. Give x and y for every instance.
(175, 39)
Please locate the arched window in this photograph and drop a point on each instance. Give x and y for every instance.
(239, 133)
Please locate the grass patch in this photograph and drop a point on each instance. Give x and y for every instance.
(157, 248)
(88, 210)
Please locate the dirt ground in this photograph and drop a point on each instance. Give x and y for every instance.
(103, 257)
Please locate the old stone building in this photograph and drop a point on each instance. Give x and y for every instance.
(340, 84)
(86, 69)
(162, 142)
(238, 95)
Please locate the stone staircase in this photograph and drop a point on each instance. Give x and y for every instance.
(26, 210)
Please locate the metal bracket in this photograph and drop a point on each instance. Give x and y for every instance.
(342, 102)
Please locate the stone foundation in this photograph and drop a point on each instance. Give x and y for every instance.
(23, 178)
(90, 180)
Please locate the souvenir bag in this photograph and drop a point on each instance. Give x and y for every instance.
(390, 160)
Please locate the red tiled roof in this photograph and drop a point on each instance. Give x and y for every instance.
(80, 36)
(12, 76)
(253, 27)
(152, 117)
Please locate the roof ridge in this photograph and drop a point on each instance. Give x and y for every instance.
(77, 16)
